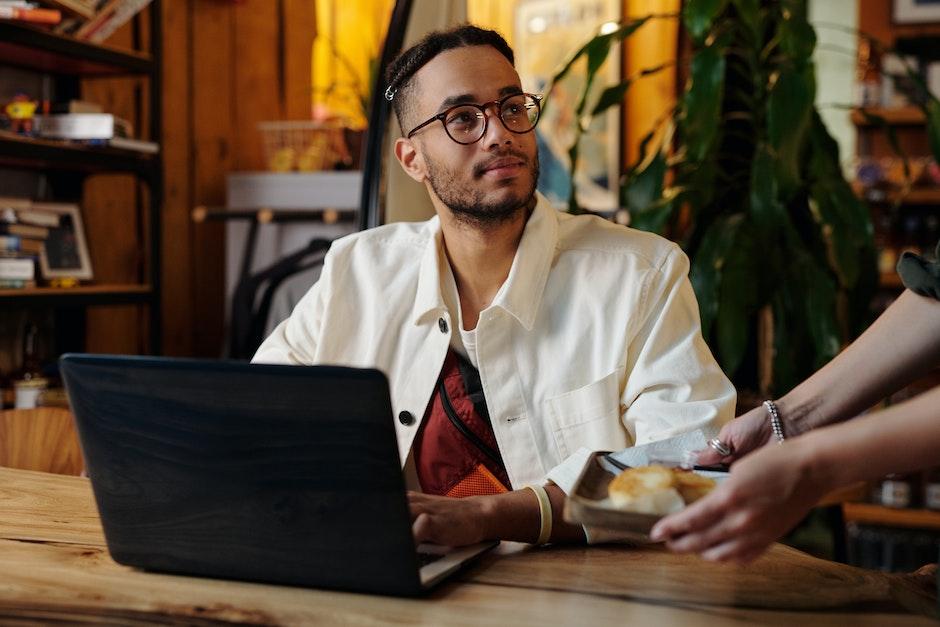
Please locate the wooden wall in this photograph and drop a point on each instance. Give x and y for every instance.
(226, 66)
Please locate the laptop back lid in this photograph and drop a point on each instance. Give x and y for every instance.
(282, 474)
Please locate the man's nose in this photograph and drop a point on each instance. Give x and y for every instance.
(496, 132)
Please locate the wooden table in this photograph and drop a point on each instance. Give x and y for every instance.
(54, 567)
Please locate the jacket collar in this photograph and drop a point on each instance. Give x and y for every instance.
(521, 294)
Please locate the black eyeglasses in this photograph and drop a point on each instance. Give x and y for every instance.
(466, 123)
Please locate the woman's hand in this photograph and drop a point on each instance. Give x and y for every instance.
(767, 494)
(743, 434)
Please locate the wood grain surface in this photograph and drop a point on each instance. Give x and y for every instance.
(40, 439)
(56, 568)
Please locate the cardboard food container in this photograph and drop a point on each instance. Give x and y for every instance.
(588, 503)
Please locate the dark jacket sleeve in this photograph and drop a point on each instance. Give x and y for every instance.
(921, 275)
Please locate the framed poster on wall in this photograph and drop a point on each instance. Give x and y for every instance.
(545, 34)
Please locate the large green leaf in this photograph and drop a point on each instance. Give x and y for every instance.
(797, 37)
(644, 187)
(749, 16)
(819, 294)
(789, 113)
(703, 101)
(843, 220)
(708, 264)
(699, 15)
(766, 211)
(598, 47)
(742, 283)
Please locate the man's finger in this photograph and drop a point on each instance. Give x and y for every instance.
(421, 528)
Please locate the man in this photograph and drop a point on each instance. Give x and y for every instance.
(558, 334)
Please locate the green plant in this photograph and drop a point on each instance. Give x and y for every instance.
(745, 176)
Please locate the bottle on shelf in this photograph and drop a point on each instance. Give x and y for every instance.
(868, 75)
(932, 489)
(30, 382)
(885, 245)
(895, 491)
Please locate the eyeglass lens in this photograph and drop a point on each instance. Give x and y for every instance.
(466, 124)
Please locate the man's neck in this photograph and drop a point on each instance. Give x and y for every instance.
(481, 258)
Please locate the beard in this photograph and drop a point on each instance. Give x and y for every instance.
(466, 200)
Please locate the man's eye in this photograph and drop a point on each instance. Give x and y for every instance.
(462, 118)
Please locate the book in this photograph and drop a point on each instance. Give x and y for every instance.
(37, 218)
(37, 16)
(16, 245)
(15, 284)
(17, 268)
(84, 9)
(81, 126)
(113, 15)
(15, 203)
(24, 230)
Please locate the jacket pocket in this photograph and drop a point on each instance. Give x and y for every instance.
(588, 416)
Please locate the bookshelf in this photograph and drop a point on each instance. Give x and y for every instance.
(100, 294)
(897, 116)
(27, 152)
(33, 48)
(66, 61)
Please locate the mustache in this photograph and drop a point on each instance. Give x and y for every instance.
(481, 168)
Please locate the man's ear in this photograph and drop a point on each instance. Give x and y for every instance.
(412, 162)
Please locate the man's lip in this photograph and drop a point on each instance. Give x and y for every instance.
(503, 163)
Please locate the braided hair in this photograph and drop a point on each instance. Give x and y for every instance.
(399, 76)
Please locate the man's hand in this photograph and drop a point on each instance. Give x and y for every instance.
(449, 521)
(767, 493)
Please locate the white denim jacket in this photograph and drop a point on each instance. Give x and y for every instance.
(593, 342)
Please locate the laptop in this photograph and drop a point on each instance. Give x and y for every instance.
(277, 474)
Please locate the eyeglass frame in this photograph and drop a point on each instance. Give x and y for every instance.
(442, 116)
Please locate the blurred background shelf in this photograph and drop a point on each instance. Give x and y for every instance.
(18, 151)
(37, 49)
(866, 513)
(103, 294)
(898, 116)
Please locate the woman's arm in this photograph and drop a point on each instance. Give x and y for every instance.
(771, 490)
(902, 345)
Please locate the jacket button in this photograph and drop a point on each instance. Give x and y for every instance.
(442, 325)
(406, 418)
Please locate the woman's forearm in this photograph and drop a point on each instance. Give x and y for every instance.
(901, 346)
(902, 438)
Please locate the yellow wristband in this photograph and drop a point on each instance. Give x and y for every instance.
(545, 513)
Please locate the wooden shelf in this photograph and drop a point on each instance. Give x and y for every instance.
(102, 294)
(867, 513)
(896, 116)
(37, 49)
(915, 196)
(18, 151)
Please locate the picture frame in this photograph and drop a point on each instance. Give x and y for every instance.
(545, 33)
(915, 11)
(64, 253)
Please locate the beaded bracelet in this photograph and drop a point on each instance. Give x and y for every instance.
(775, 423)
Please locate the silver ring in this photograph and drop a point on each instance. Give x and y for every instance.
(723, 449)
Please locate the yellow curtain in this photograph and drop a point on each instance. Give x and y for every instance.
(345, 53)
